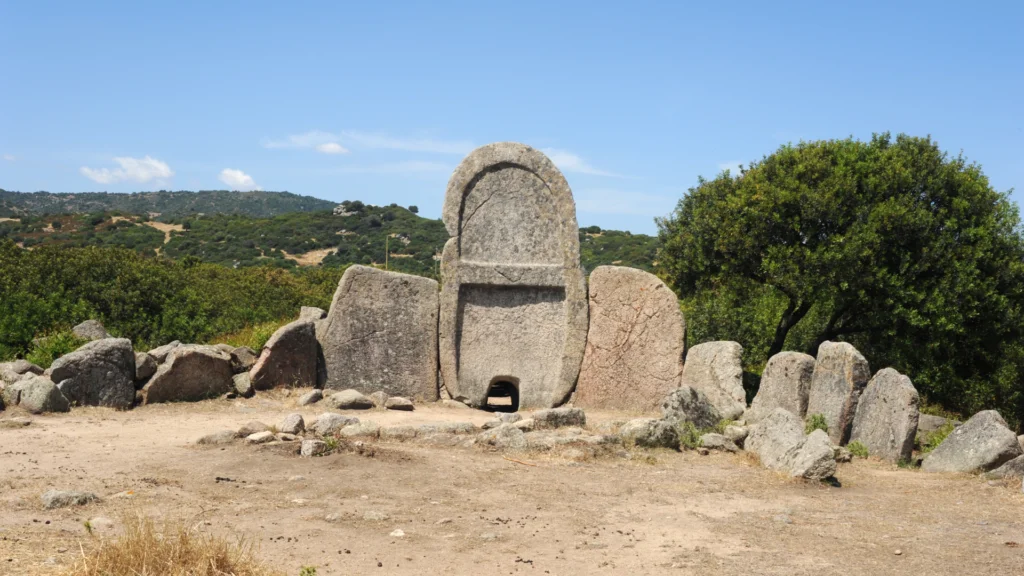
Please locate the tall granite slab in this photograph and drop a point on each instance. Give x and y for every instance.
(381, 334)
(887, 415)
(513, 309)
(785, 383)
(840, 374)
(716, 369)
(635, 345)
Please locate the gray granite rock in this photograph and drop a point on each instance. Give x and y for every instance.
(189, 374)
(218, 438)
(447, 428)
(399, 403)
(715, 369)
(349, 400)
(243, 385)
(311, 313)
(160, 352)
(260, 437)
(785, 383)
(100, 373)
(251, 428)
(91, 330)
(292, 424)
(242, 359)
(365, 428)
(382, 334)
(504, 437)
(311, 397)
(36, 394)
(513, 305)
(65, 498)
(559, 418)
(982, 443)
(715, 441)
(779, 441)
(738, 434)
(649, 433)
(840, 375)
(689, 405)
(379, 398)
(928, 423)
(1011, 469)
(288, 359)
(886, 419)
(398, 433)
(636, 342)
(329, 423)
(145, 367)
(311, 448)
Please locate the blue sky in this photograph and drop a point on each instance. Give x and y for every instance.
(378, 101)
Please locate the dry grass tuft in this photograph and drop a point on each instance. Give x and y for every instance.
(176, 550)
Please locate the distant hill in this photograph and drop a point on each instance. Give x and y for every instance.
(167, 204)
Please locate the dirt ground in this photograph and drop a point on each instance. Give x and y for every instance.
(472, 511)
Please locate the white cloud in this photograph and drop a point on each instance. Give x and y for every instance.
(733, 166)
(607, 201)
(311, 139)
(238, 180)
(331, 148)
(569, 162)
(9, 157)
(139, 170)
(397, 168)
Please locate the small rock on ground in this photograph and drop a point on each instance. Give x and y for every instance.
(64, 498)
(311, 397)
(399, 403)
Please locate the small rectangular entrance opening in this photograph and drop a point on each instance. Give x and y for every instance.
(503, 395)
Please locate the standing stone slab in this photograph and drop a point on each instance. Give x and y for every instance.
(514, 298)
(189, 374)
(886, 420)
(382, 334)
(288, 359)
(785, 383)
(100, 373)
(715, 369)
(982, 443)
(636, 341)
(840, 374)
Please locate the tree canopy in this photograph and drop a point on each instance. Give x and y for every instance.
(893, 245)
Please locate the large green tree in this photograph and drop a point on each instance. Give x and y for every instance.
(893, 245)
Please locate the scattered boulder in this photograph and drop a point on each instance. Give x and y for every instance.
(311, 313)
(349, 400)
(189, 374)
(649, 433)
(100, 373)
(738, 434)
(242, 359)
(635, 344)
(714, 368)
(288, 359)
(12, 423)
(65, 498)
(688, 404)
(526, 424)
(1011, 469)
(287, 437)
(160, 352)
(329, 423)
(36, 394)
(399, 403)
(243, 385)
(292, 424)
(504, 437)
(714, 441)
(218, 438)
(311, 448)
(311, 397)
(371, 429)
(260, 437)
(382, 334)
(840, 374)
(886, 419)
(11, 372)
(982, 443)
(559, 417)
(785, 383)
(90, 330)
(379, 398)
(779, 441)
(145, 367)
(251, 428)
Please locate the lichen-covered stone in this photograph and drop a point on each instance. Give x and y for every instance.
(382, 334)
(559, 418)
(329, 423)
(715, 441)
(779, 442)
(636, 342)
(687, 405)
(840, 375)
(513, 305)
(982, 443)
(36, 394)
(189, 374)
(785, 383)
(288, 359)
(649, 433)
(715, 369)
(90, 330)
(100, 373)
(292, 424)
(886, 419)
(243, 385)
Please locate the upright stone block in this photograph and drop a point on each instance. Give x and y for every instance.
(840, 374)
(715, 369)
(100, 373)
(886, 420)
(514, 300)
(634, 354)
(785, 383)
(288, 358)
(381, 334)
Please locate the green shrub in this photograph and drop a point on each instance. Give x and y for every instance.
(816, 422)
(933, 439)
(48, 348)
(689, 436)
(858, 449)
(308, 571)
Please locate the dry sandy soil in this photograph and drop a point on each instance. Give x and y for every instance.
(472, 511)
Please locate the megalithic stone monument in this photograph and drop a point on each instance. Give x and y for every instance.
(513, 308)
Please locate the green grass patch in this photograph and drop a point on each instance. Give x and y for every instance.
(858, 449)
(815, 422)
(932, 440)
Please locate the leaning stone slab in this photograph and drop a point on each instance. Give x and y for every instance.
(100, 373)
(715, 369)
(982, 443)
(513, 305)
(635, 345)
(559, 418)
(36, 394)
(779, 441)
(288, 359)
(160, 352)
(382, 334)
(886, 420)
(840, 374)
(785, 383)
(189, 374)
(689, 405)
(90, 330)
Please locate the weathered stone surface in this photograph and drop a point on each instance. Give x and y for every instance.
(65, 498)
(635, 345)
(329, 423)
(714, 441)
(251, 428)
(982, 443)
(225, 348)
(504, 437)
(311, 448)
(311, 397)
(715, 369)
(928, 423)
(399, 403)
(91, 330)
(367, 428)
(260, 437)
(311, 313)
(886, 419)
(242, 359)
(1011, 469)
(379, 398)
(292, 424)
(349, 400)
(526, 424)
(21, 367)
(559, 418)
(36, 394)
(242, 385)
(840, 374)
(738, 434)
(218, 438)
(513, 306)
(447, 428)
(785, 383)
(100, 373)
(398, 433)
(649, 433)
(160, 352)
(288, 359)
(382, 334)
(779, 441)
(689, 405)
(145, 367)
(190, 373)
